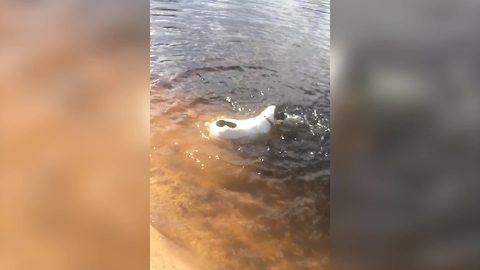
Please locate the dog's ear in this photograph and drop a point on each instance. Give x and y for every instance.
(279, 114)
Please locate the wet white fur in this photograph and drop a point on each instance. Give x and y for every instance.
(246, 128)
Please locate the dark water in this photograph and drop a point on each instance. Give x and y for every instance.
(235, 58)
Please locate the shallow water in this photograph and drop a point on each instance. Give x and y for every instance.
(241, 206)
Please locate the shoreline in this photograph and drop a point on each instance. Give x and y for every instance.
(166, 255)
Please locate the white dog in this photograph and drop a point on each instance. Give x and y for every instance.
(233, 129)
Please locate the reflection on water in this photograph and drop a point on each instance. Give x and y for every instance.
(241, 206)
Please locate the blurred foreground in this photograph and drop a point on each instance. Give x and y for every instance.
(74, 135)
(406, 135)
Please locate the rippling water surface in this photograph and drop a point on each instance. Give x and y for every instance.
(241, 206)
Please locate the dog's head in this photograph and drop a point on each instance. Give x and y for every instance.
(279, 114)
(274, 113)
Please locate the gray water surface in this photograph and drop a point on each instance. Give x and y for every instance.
(244, 55)
(275, 51)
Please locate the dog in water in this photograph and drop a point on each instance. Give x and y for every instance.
(258, 126)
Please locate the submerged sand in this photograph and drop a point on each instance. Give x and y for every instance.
(210, 206)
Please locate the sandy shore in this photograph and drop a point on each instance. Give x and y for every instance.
(165, 255)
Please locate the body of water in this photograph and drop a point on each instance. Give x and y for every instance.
(245, 206)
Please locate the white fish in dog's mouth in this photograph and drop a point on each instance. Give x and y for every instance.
(233, 129)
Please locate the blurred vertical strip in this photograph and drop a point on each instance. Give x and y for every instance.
(74, 124)
(406, 135)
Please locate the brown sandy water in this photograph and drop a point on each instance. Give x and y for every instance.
(213, 203)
